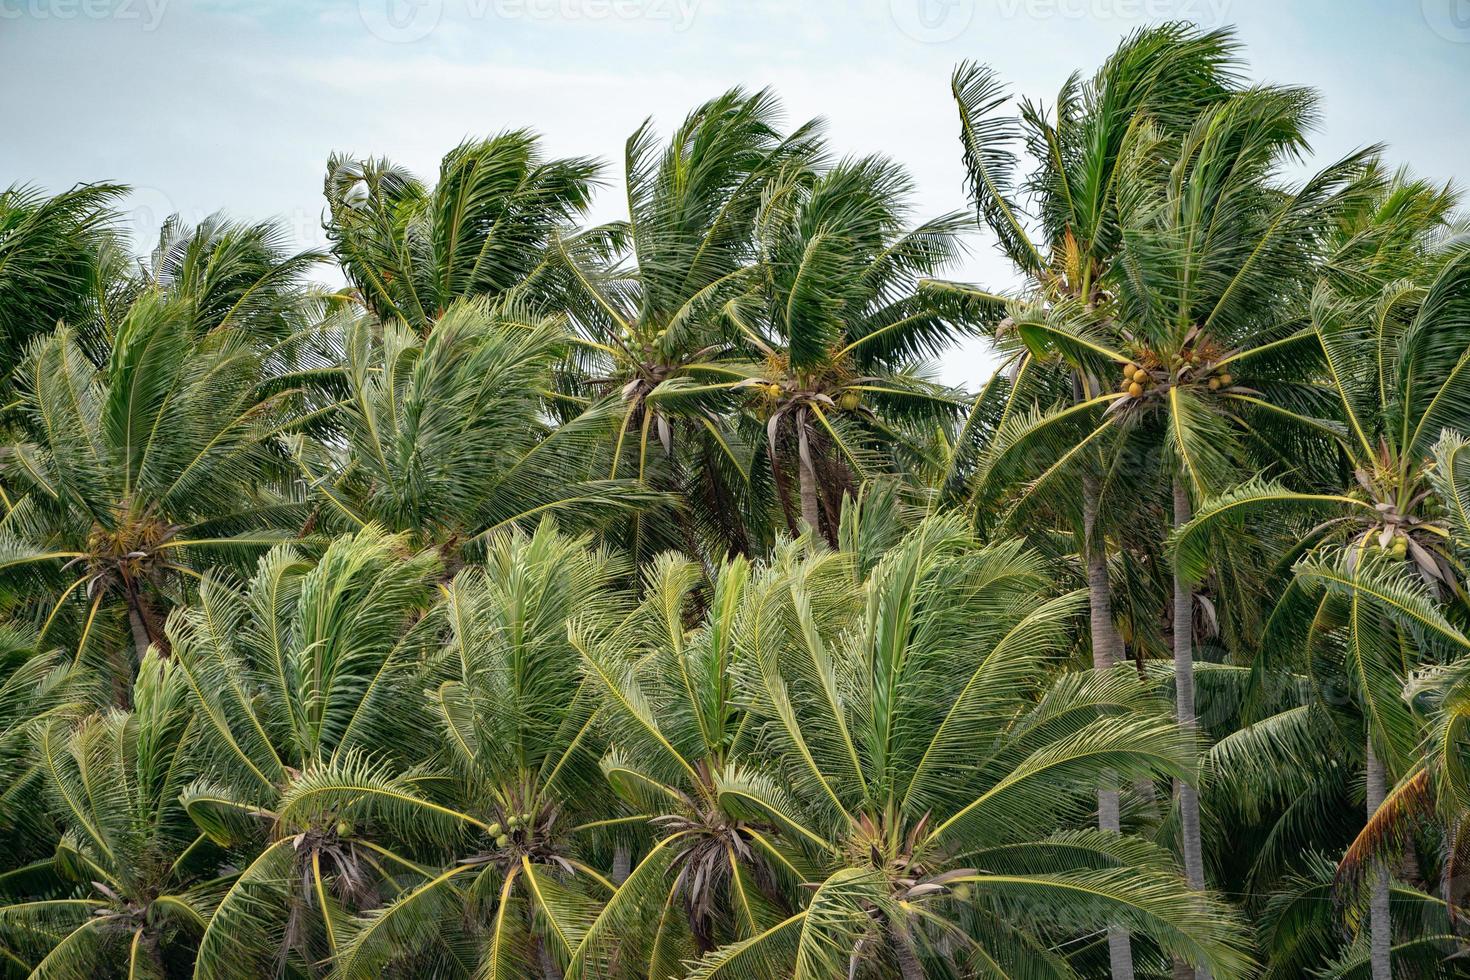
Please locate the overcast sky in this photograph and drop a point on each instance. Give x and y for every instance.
(203, 105)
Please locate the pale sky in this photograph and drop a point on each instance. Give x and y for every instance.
(204, 105)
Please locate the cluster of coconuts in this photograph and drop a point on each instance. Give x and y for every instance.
(1135, 379)
(770, 391)
(516, 823)
(1396, 548)
(644, 348)
(1191, 360)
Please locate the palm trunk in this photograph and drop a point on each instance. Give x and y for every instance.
(1106, 647)
(549, 968)
(811, 511)
(141, 639)
(1106, 653)
(1380, 926)
(1194, 865)
(622, 864)
(909, 966)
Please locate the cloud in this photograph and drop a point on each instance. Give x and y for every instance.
(236, 104)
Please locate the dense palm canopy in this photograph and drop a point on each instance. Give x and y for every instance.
(411, 251)
(628, 601)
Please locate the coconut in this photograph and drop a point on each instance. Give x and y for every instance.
(495, 830)
(849, 400)
(512, 822)
(1225, 379)
(1214, 384)
(1135, 389)
(1140, 375)
(502, 842)
(1400, 546)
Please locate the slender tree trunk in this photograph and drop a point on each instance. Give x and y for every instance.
(1106, 653)
(1380, 926)
(622, 863)
(811, 510)
(1106, 644)
(544, 959)
(908, 958)
(1194, 865)
(141, 639)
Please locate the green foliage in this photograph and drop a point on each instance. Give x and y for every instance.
(628, 602)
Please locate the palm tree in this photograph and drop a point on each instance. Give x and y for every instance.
(677, 729)
(1284, 795)
(925, 771)
(656, 313)
(56, 254)
(305, 676)
(481, 232)
(37, 687)
(135, 477)
(133, 882)
(450, 438)
(1165, 76)
(835, 323)
(1395, 350)
(233, 274)
(1214, 263)
(513, 786)
(839, 324)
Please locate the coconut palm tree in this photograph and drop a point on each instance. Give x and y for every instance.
(677, 729)
(233, 274)
(481, 231)
(449, 437)
(132, 882)
(926, 773)
(652, 310)
(835, 323)
(1214, 261)
(56, 254)
(306, 675)
(1444, 689)
(841, 325)
(131, 479)
(36, 687)
(1166, 76)
(1390, 320)
(514, 782)
(1284, 795)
